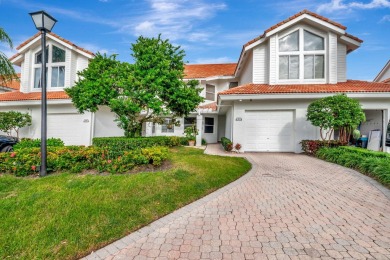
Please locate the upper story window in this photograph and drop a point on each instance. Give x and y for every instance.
(210, 92)
(301, 56)
(55, 67)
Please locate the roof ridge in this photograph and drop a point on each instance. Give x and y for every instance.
(54, 35)
(304, 11)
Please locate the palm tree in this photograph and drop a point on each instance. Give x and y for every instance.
(7, 72)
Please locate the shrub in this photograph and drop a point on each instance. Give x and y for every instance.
(375, 164)
(310, 147)
(238, 147)
(227, 144)
(78, 158)
(117, 145)
(29, 143)
(204, 142)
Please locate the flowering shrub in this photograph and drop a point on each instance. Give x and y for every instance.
(77, 158)
(227, 144)
(310, 147)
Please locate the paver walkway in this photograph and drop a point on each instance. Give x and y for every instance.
(288, 207)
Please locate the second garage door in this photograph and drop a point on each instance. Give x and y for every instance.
(269, 131)
(73, 129)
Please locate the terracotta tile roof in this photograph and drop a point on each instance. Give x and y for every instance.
(351, 86)
(52, 34)
(297, 15)
(196, 71)
(386, 80)
(212, 106)
(14, 84)
(19, 96)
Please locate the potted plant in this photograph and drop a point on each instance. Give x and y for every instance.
(191, 132)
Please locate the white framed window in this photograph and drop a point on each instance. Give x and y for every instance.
(209, 125)
(168, 126)
(301, 56)
(210, 92)
(55, 67)
(189, 121)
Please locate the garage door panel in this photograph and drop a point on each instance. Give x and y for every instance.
(269, 131)
(70, 128)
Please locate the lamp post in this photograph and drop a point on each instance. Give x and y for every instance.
(44, 23)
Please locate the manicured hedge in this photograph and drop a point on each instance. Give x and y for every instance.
(30, 143)
(77, 158)
(117, 145)
(227, 144)
(375, 164)
(310, 147)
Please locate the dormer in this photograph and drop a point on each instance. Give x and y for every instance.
(64, 59)
(303, 49)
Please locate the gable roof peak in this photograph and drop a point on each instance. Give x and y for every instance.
(55, 36)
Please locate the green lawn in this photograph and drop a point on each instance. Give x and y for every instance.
(66, 216)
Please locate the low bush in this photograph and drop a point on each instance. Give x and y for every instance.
(77, 158)
(375, 164)
(227, 144)
(30, 143)
(117, 145)
(310, 147)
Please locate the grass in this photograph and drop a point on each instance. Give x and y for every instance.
(66, 216)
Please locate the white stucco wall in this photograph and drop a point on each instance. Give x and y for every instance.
(104, 124)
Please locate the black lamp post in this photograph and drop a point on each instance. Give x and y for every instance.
(44, 23)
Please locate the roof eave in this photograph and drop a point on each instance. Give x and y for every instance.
(232, 97)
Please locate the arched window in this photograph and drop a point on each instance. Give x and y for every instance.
(55, 67)
(301, 61)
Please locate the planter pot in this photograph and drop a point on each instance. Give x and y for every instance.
(191, 143)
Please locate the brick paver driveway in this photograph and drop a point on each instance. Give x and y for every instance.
(289, 207)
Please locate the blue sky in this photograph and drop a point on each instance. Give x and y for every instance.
(209, 31)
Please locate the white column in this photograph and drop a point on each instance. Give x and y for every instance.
(148, 129)
(199, 124)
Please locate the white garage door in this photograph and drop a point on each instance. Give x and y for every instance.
(73, 129)
(269, 131)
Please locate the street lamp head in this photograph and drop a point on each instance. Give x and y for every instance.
(43, 21)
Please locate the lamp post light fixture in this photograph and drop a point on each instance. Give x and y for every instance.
(44, 23)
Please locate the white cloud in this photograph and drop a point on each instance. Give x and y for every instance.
(174, 19)
(385, 18)
(339, 5)
(214, 60)
(373, 4)
(334, 5)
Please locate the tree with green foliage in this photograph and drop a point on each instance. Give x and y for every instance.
(13, 121)
(337, 112)
(7, 71)
(146, 91)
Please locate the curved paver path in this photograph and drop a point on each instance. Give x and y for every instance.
(288, 207)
